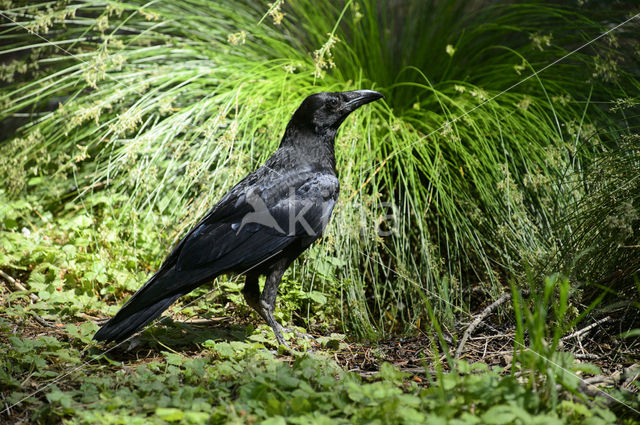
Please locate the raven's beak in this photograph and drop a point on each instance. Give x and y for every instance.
(357, 98)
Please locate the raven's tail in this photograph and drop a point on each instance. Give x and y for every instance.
(128, 321)
(146, 304)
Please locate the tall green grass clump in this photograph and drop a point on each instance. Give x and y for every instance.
(452, 186)
(540, 325)
(603, 229)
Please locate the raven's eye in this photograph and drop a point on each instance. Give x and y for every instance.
(333, 102)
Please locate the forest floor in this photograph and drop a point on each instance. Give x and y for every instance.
(418, 360)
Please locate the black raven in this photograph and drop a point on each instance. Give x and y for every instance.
(260, 226)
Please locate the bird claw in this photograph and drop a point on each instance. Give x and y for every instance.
(277, 330)
(133, 343)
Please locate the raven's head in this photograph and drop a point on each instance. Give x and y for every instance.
(324, 112)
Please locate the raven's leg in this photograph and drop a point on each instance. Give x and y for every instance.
(251, 292)
(264, 305)
(268, 298)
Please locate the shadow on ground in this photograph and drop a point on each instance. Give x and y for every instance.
(184, 337)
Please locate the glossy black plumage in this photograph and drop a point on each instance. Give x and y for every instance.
(260, 226)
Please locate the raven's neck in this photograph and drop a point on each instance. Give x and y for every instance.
(310, 148)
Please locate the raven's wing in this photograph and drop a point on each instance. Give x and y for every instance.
(255, 222)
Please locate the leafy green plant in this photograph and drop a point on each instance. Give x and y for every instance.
(240, 382)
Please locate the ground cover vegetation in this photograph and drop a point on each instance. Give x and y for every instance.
(481, 265)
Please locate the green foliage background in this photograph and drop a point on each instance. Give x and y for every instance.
(122, 122)
(141, 116)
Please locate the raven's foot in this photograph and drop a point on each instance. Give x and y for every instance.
(277, 330)
(267, 313)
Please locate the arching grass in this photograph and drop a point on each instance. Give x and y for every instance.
(452, 185)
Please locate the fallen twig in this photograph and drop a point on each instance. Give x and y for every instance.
(631, 374)
(17, 286)
(586, 356)
(476, 322)
(43, 322)
(580, 332)
(509, 335)
(411, 370)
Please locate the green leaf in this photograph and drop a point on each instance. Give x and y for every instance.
(276, 420)
(197, 417)
(224, 350)
(169, 414)
(498, 415)
(317, 297)
(174, 359)
(630, 334)
(332, 341)
(389, 373)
